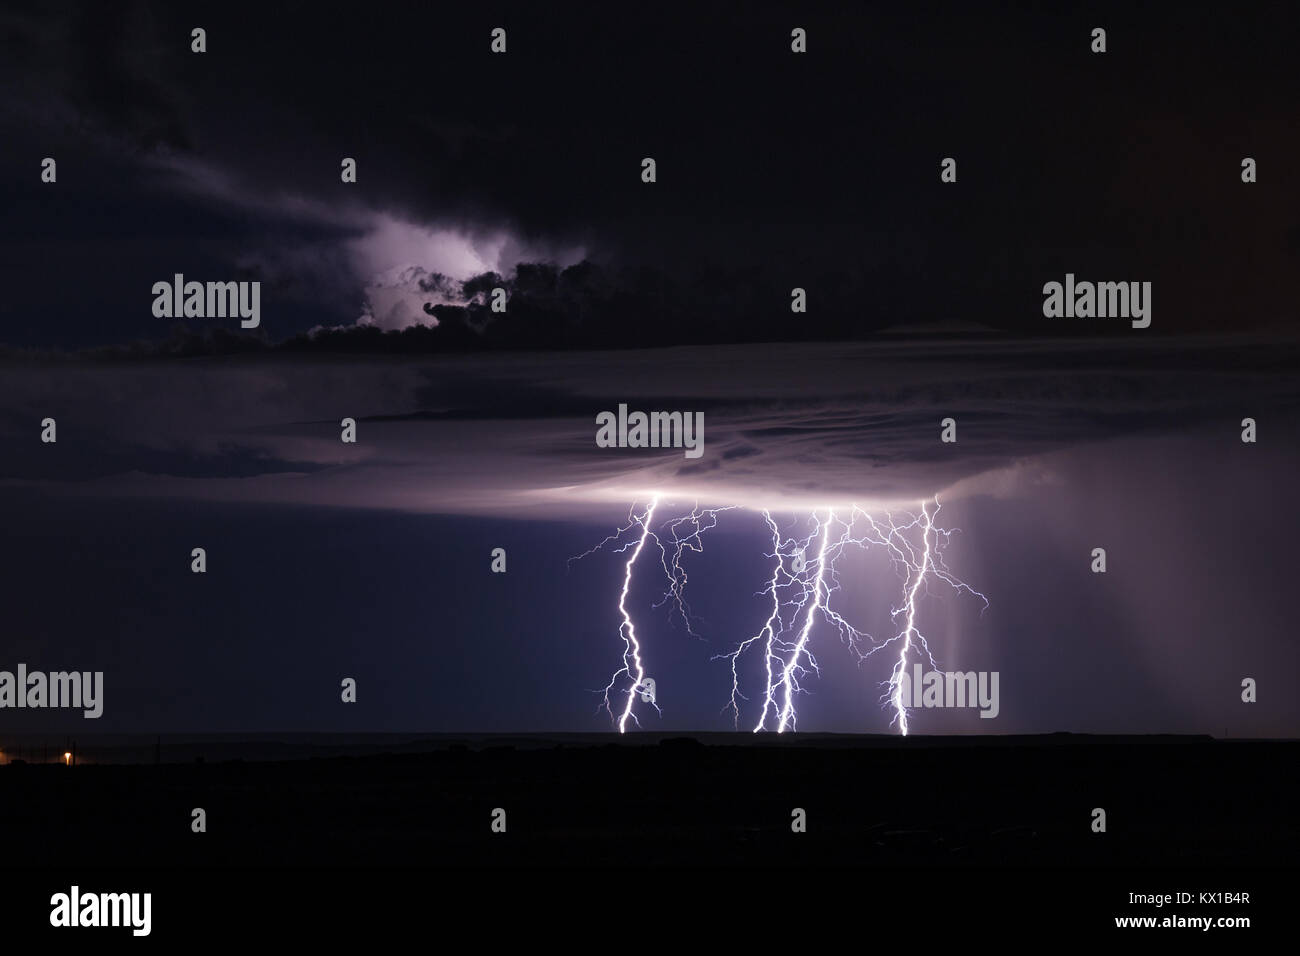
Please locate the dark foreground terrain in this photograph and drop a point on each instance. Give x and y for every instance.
(869, 801)
(1182, 813)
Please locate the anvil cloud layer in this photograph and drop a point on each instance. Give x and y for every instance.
(513, 434)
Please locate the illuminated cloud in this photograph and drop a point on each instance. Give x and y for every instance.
(397, 265)
(411, 266)
(515, 433)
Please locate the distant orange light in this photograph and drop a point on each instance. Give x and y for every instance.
(67, 759)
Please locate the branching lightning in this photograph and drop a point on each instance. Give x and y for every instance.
(916, 574)
(632, 667)
(801, 589)
(697, 522)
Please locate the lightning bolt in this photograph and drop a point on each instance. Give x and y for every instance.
(697, 522)
(768, 634)
(794, 667)
(916, 575)
(801, 592)
(632, 667)
(676, 537)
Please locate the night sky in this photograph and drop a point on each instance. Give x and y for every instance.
(476, 430)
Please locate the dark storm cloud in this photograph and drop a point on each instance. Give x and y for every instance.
(775, 170)
(799, 425)
(155, 142)
(103, 71)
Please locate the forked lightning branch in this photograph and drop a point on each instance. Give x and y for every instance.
(801, 595)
